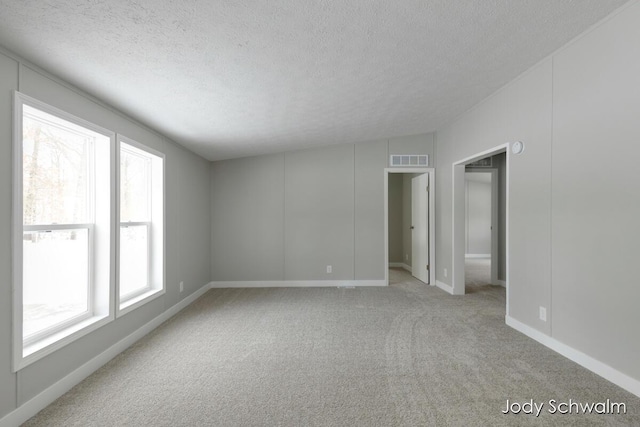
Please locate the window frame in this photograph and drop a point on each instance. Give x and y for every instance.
(156, 239)
(100, 312)
(65, 324)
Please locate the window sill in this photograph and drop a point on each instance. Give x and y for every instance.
(140, 300)
(48, 345)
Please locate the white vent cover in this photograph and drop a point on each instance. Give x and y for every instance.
(419, 160)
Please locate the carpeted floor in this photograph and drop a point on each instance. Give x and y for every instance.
(404, 355)
(477, 271)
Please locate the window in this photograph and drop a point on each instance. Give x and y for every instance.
(141, 224)
(63, 225)
(88, 235)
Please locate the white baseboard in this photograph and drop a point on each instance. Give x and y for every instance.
(605, 371)
(502, 283)
(401, 265)
(297, 283)
(477, 255)
(46, 397)
(444, 287)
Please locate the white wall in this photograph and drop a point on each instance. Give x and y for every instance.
(573, 206)
(187, 215)
(304, 210)
(478, 214)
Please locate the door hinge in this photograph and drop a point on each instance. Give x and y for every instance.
(427, 266)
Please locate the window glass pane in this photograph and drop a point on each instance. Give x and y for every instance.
(134, 259)
(55, 178)
(135, 188)
(55, 277)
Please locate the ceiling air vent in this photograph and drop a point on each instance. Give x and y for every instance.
(410, 160)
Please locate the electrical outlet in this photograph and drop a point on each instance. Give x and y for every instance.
(181, 286)
(329, 269)
(543, 314)
(445, 272)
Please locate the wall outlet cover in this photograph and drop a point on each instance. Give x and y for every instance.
(543, 314)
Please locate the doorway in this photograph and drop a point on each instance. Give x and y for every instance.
(409, 223)
(499, 223)
(481, 224)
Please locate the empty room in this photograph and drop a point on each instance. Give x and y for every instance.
(292, 213)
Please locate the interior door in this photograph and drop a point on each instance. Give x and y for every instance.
(420, 227)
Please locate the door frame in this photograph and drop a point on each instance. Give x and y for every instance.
(432, 222)
(458, 218)
(495, 206)
(418, 183)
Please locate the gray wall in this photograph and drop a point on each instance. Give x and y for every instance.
(247, 226)
(570, 207)
(596, 193)
(395, 218)
(187, 216)
(478, 215)
(309, 209)
(319, 210)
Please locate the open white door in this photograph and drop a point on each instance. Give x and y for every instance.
(420, 227)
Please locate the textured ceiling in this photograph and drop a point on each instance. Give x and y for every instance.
(237, 78)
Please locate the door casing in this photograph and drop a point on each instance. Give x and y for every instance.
(432, 246)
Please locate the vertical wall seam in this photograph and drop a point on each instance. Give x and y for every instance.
(386, 162)
(284, 214)
(550, 316)
(354, 212)
(432, 163)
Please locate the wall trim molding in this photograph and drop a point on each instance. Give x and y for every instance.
(477, 255)
(34, 405)
(605, 371)
(296, 284)
(444, 287)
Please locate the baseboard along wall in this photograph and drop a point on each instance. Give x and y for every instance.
(297, 284)
(400, 265)
(49, 395)
(444, 287)
(605, 371)
(46, 397)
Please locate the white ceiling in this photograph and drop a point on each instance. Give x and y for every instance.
(233, 78)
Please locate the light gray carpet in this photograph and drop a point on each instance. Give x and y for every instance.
(477, 272)
(406, 355)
